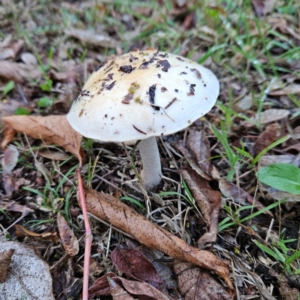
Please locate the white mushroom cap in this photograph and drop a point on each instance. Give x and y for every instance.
(142, 94)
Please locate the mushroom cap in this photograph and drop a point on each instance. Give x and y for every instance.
(142, 94)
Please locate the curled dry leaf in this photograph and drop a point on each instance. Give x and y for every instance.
(117, 292)
(209, 202)
(198, 144)
(49, 129)
(22, 232)
(116, 213)
(18, 72)
(68, 239)
(133, 263)
(92, 38)
(5, 259)
(29, 275)
(101, 287)
(196, 283)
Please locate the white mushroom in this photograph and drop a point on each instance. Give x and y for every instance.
(141, 95)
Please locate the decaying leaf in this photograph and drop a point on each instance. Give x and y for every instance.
(49, 129)
(9, 161)
(101, 287)
(92, 38)
(133, 263)
(271, 115)
(208, 200)
(21, 232)
(262, 7)
(5, 259)
(116, 213)
(238, 195)
(269, 136)
(13, 206)
(68, 239)
(117, 292)
(18, 72)
(29, 276)
(196, 283)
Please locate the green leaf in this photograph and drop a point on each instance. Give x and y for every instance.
(22, 111)
(283, 177)
(8, 87)
(44, 102)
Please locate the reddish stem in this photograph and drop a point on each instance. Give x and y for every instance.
(88, 239)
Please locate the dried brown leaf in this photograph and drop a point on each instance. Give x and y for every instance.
(238, 195)
(208, 200)
(117, 292)
(269, 136)
(5, 259)
(54, 155)
(9, 161)
(101, 287)
(92, 38)
(68, 239)
(11, 51)
(263, 7)
(18, 72)
(199, 146)
(195, 283)
(51, 129)
(12, 206)
(292, 89)
(142, 289)
(133, 263)
(22, 232)
(113, 211)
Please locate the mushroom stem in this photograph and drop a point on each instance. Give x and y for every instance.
(151, 173)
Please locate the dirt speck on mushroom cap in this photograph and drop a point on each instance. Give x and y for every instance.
(195, 88)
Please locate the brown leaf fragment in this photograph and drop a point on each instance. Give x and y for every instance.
(208, 200)
(117, 292)
(10, 159)
(5, 259)
(49, 129)
(116, 213)
(101, 287)
(133, 263)
(195, 283)
(22, 232)
(92, 38)
(18, 72)
(141, 289)
(269, 136)
(262, 7)
(239, 195)
(9, 162)
(198, 145)
(12, 206)
(68, 239)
